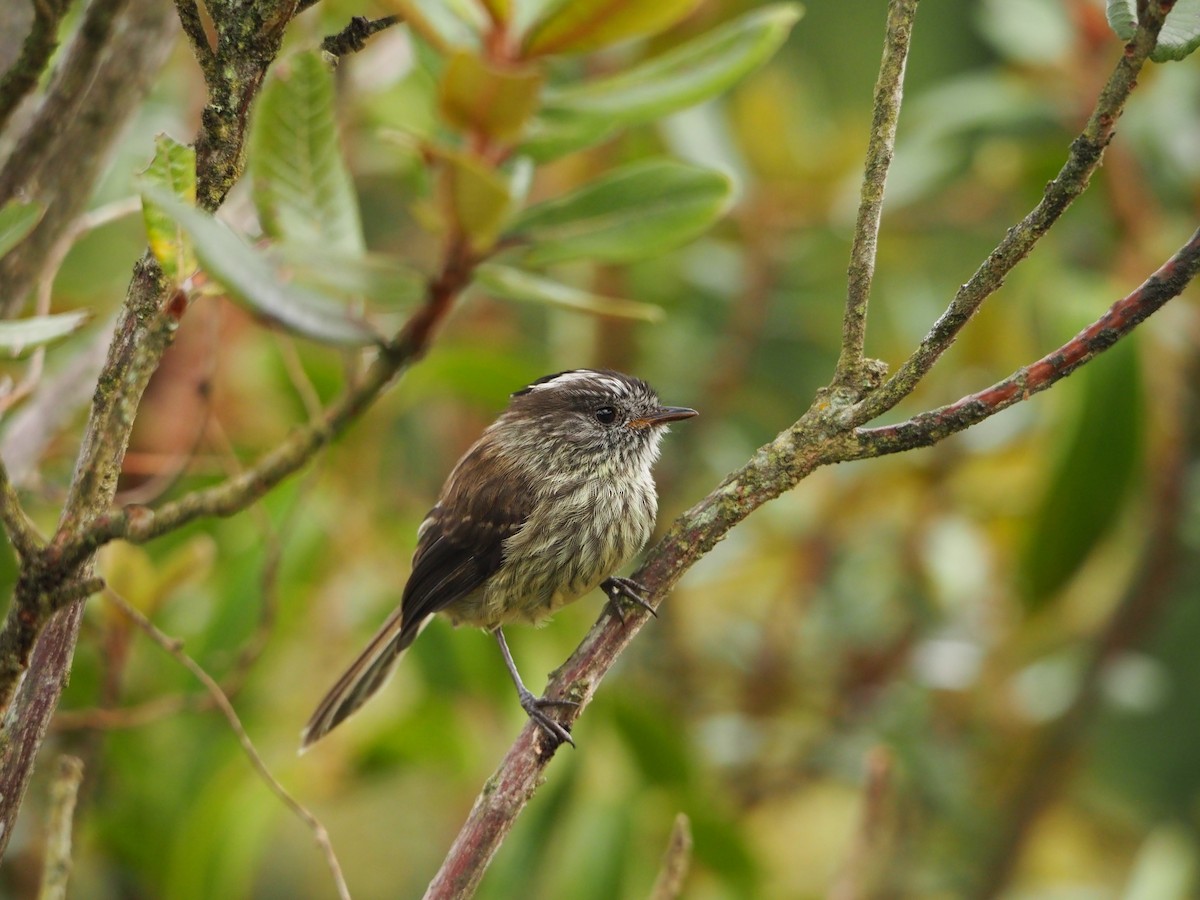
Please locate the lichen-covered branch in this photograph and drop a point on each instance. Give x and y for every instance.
(1082, 161)
(1121, 318)
(193, 27)
(42, 624)
(36, 50)
(22, 533)
(889, 90)
(353, 37)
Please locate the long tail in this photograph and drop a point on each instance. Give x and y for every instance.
(366, 675)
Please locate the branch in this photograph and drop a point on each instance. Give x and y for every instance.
(42, 611)
(193, 27)
(889, 90)
(138, 524)
(56, 868)
(677, 859)
(22, 533)
(353, 37)
(174, 647)
(1082, 161)
(36, 51)
(1121, 318)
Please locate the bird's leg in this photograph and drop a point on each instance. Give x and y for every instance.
(617, 587)
(532, 705)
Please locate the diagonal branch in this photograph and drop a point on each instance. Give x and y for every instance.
(22, 533)
(138, 524)
(1122, 317)
(36, 51)
(881, 145)
(816, 440)
(193, 27)
(1082, 161)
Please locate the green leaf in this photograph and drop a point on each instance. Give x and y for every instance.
(555, 133)
(173, 169)
(691, 73)
(577, 26)
(253, 281)
(513, 284)
(633, 213)
(1091, 480)
(500, 10)
(17, 219)
(19, 335)
(379, 277)
(1180, 33)
(480, 198)
(477, 96)
(302, 189)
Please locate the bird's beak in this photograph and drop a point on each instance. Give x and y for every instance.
(662, 416)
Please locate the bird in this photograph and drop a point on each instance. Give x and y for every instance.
(554, 497)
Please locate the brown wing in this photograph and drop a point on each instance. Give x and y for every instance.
(462, 539)
(461, 543)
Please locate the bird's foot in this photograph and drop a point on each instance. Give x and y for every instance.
(617, 587)
(535, 708)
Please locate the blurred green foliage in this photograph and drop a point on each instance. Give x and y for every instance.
(942, 605)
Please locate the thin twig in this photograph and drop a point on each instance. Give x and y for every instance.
(677, 859)
(138, 524)
(21, 531)
(174, 647)
(1122, 317)
(56, 868)
(1084, 158)
(193, 27)
(863, 862)
(353, 37)
(889, 90)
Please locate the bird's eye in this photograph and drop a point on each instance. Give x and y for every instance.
(606, 415)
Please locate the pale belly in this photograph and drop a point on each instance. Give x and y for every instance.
(546, 568)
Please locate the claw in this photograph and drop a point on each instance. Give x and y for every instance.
(617, 587)
(553, 729)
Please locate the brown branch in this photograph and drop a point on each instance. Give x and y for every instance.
(677, 859)
(851, 371)
(1121, 318)
(64, 791)
(1084, 158)
(174, 647)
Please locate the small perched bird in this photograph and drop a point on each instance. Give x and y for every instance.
(552, 499)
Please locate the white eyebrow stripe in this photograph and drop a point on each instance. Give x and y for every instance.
(613, 384)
